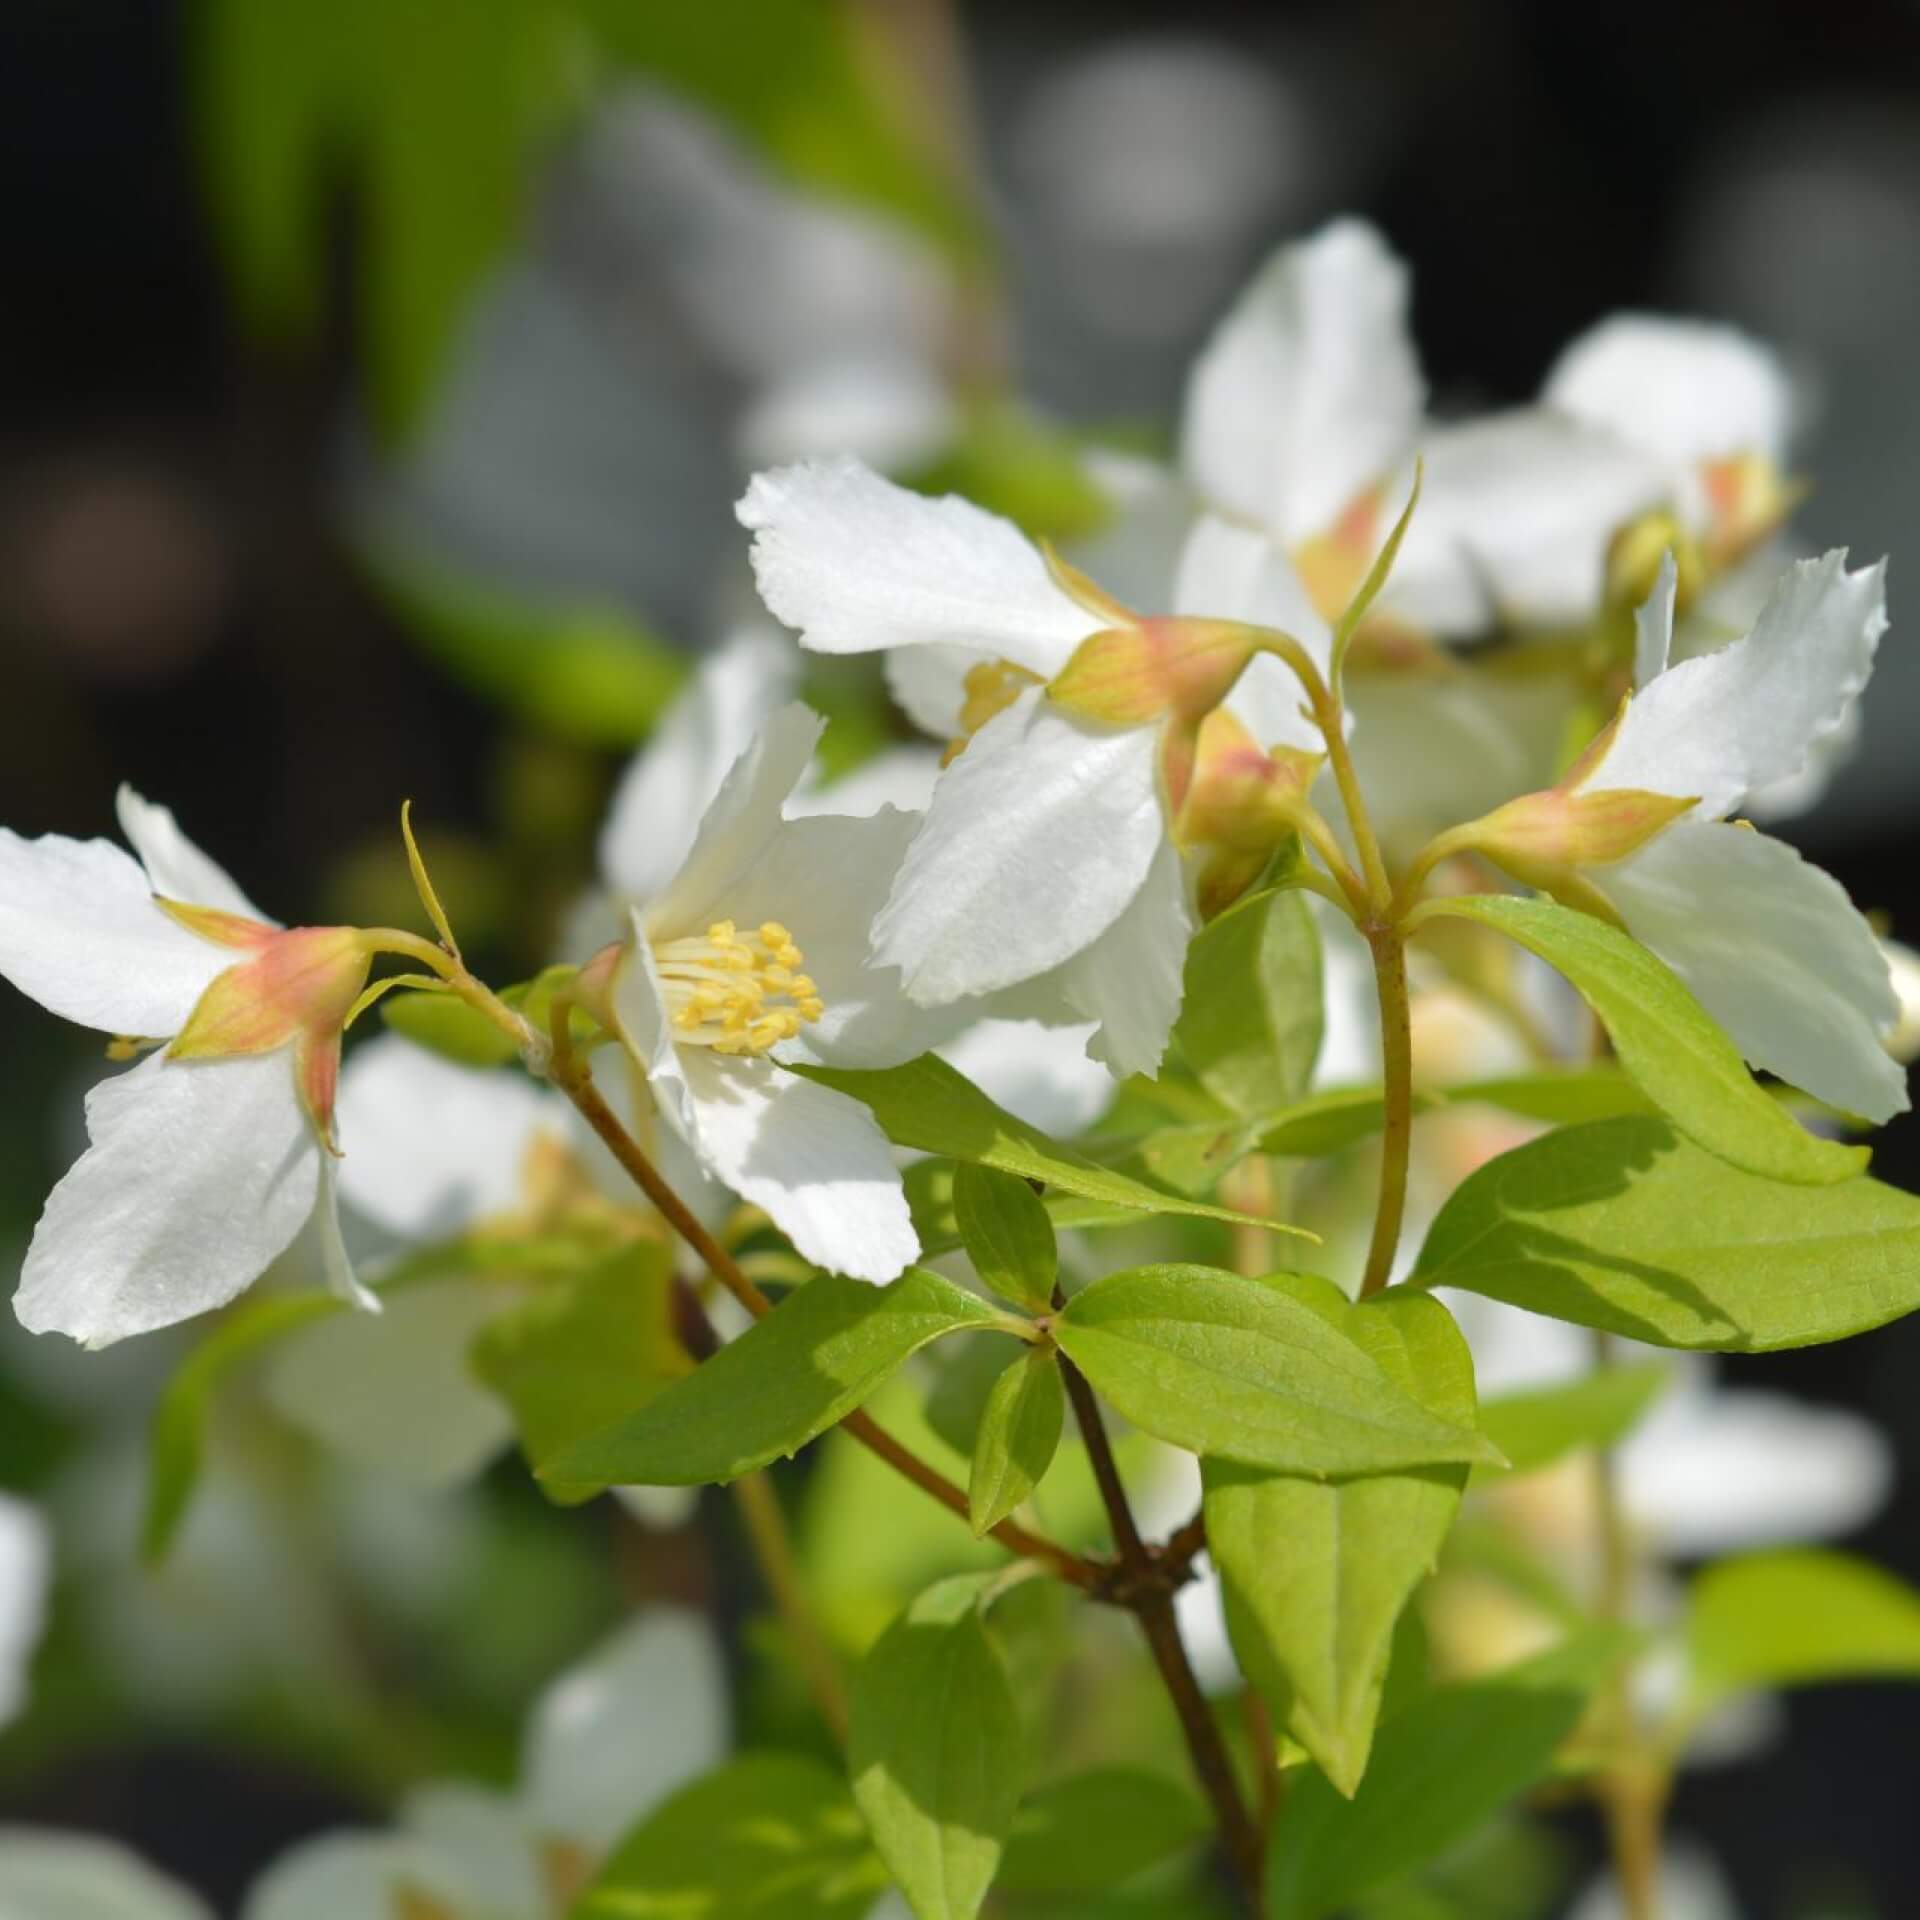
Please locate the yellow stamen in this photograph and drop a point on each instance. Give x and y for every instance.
(738, 993)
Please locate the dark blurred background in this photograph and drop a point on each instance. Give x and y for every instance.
(179, 606)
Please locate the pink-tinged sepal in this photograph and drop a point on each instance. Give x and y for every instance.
(1238, 804)
(1166, 666)
(211, 923)
(1333, 565)
(297, 989)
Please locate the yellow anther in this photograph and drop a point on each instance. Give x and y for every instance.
(738, 993)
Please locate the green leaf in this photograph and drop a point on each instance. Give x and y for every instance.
(820, 1353)
(1239, 1369)
(1377, 575)
(1625, 1226)
(1315, 1574)
(580, 670)
(1095, 1830)
(770, 1836)
(1019, 1432)
(1004, 1227)
(448, 1027)
(1439, 1770)
(935, 1749)
(1795, 1617)
(1250, 1017)
(1544, 1424)
(1329, 1123)
(929, 1105)
(581, 1356)
(815, 86)
(1666, 1040)
(1561, 1096)
(177, 1436)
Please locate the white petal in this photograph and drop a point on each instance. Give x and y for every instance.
(1775, 951)
(1684, 389)
(1309, 391)
(362, 1874)
(1726, 723)
(672, 780)
(633, 1722)
(894, 777)
(1040, 1074)
(26, 1567)
(175, 866)
(432, 1147)
(810, 1157)
(1136, 555)
(396, 1393)
(1515, 1351)
(854, 563)
(72, 1876)
(330, 1243)
(1516, 515)
(825, 880)
(1129, 979)
(929, 683)
(1691, 1887)
(1653, 626)
(200, 1173)
(1037, 838)
(737, 824)
(1203, 1626)
(1718, 1470)
(483, 1836)
(80, 933)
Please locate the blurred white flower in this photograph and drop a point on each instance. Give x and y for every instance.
(46, 1875)
(1691, 1887)
(609, 1740)
(25, 1572)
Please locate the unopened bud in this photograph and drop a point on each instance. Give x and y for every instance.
(1129, 676)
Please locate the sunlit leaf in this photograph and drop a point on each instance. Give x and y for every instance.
(1004, 1227)
(1019, 1430)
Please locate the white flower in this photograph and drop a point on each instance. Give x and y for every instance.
(207, 1160)
(607, 1742)
(25, 1569)
(754, 952)
(1771, 945)
(69, 1876)
(1045, 850)
(1691, 1887)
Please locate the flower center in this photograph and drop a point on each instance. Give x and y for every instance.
(736, 992)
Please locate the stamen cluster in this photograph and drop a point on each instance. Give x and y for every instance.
(738, 993)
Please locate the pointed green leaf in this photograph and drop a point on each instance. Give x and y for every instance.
(1625, 1226)
(1004, 1227)
(1665, 1039)
(935, 1750)
(1095, 1830)
(1544, 1424)
(1795, 1617)
(1250, 1016)
(929, 1105)
(1239, 1369)
(1377, 575)
(1018, 1434)
(1440, 1769)
(1315, 1574)
(789, 1377)
(770, 1836)
(580, 1356)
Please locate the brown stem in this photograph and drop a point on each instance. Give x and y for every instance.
(1396, 1055)
(1148, 1594)
(576, 1082)
(773, 1550)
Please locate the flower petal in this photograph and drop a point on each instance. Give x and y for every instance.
(930, 685)
(894, 777)
(810, 1157)
(825, 879)
(79, 932)
(354, 1873)
(855, 564)
(395, 1394)
(484, 1836)
(1719, 726)
(1130, 978)
(1719, 1470)
(737, 824)
(1653, 626)
(200, 1174)
(26, 1569)
(73, 1876)
(672, 780)
(1516, 515)
(1309, 391)
(336, 1264)
(432, 1147)
(175, 866)
(1037, 838)
(1775, 951)
(1684, 389)
(615, 1735)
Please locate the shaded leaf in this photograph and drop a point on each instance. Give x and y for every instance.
(1097, 1829)
(1544, 1424)
(1004, 1227)
(1019, 1431)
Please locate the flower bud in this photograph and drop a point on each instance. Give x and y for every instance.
(1173, 665)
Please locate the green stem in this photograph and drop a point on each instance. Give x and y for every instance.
(772, 1546)
(1396, 1142)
